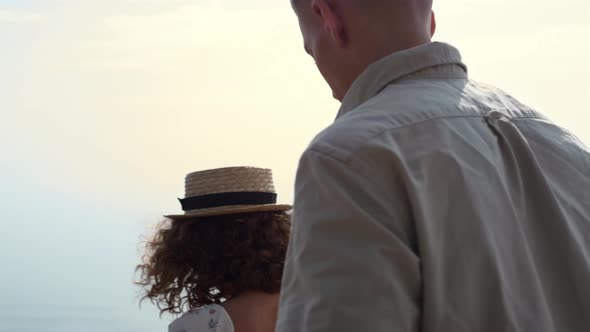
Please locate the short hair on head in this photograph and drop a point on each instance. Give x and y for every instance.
(426, 3)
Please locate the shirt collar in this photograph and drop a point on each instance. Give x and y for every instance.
(432, 60)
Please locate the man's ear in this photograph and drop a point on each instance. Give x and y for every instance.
(328, 13)
(432, 24)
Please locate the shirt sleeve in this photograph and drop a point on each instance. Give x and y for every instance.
(350, 264)
(211, 318)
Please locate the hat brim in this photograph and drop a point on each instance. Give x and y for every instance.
(231, 210)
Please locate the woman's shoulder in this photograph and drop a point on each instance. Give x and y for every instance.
(209, 318)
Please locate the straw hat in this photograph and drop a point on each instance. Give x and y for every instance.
(228, 190)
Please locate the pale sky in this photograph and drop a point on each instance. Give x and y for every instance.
(106, 105)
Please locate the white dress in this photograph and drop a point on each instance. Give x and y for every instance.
(210, 318)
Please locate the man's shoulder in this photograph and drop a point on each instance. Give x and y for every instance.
(416, 112)
(394, 108)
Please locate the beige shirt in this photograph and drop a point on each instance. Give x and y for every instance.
(434, 203)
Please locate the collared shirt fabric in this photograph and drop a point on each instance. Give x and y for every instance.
(435, 203)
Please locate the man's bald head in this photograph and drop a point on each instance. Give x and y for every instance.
(391, 15)
(423, 4)
(345, 36)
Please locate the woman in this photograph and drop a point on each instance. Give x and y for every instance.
(220, 263)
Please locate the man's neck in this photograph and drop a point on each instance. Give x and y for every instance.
(368, 55)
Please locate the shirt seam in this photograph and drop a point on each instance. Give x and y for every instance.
(317, 147)
(343, 163)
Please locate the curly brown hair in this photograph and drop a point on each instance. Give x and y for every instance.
(194, 262)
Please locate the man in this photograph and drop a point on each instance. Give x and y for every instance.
(433, 203)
